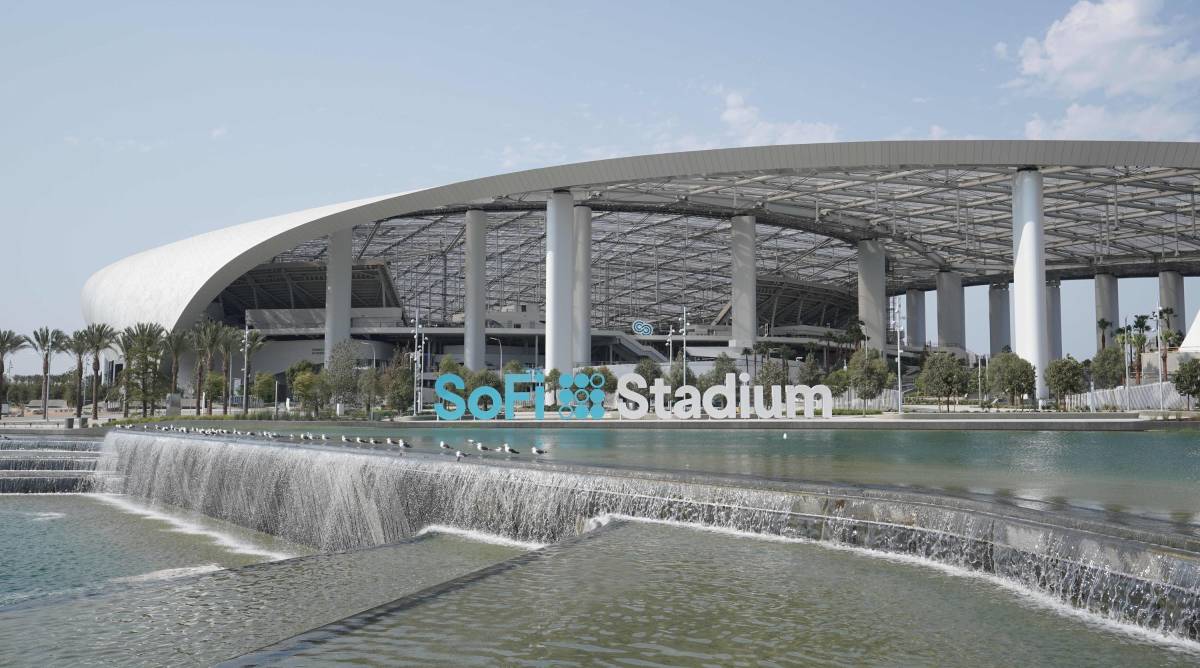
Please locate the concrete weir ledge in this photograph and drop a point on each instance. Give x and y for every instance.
(1145, 574)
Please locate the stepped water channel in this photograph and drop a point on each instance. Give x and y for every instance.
(624, 557)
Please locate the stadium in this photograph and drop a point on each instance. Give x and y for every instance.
(611, 261)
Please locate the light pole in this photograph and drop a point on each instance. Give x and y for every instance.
(245, 369)
(671, 343)
(1158, 342)
(683, 330)
(899, 368)
(501, 344)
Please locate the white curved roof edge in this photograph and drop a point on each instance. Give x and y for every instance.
(172, 284)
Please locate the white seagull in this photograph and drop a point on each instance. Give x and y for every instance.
(442, 445)
(510, 450)
(459, 454)
(344, 439)
(536, 450)
(482, 448)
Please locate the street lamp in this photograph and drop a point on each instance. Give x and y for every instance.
(683, 327)
(501, 343)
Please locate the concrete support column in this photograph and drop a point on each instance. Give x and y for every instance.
(475, 308)
(951, 318)
(1107, 308)
(1054, 320)
(1029, 276)
(338, 265)
(1170, 295)
(745, 283)
(872, 292)
(999, 323)
(560, 287)
(581, 325)
(914, 318)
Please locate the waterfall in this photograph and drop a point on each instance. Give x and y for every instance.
(338, 500)
(36, 465)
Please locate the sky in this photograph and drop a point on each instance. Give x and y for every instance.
(129, 125)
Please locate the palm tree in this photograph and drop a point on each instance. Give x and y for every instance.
(77, 345)
(1103, 325)
(47, 342)
(1141, 325)
(175, 343)
(146, 363)
(100, 337)
(254, 343)
(10, 342)
(205, 339)
(229, 343)
(126, 344)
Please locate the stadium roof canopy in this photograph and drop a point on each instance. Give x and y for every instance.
(661, 231)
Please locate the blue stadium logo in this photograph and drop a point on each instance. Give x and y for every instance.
(642, 328)
(580, 396)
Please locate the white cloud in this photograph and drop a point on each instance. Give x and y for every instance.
(1116, 46)
(920, 100)
(217, 133)
(1081, 121)
(1000, 50)
(745, 125)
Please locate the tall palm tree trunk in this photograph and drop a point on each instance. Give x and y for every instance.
(79, 386)
(228, 384)
(199, 382)
(95, 387)
(45, 387)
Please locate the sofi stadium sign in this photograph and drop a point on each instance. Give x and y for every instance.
(582, 397)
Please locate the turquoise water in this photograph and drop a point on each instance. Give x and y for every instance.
(98, 580)
(1156, 474)
(654, 595)
(67, 543)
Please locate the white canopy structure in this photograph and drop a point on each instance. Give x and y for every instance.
(758, 239)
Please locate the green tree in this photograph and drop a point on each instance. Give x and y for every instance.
(943, 376)
(47, 342)
(675, 377)
(648, 369)
(771, 373)
(1063, 377)
(297, 368)
(1108, 368)
(1011, 376)
(174, 344)
(10, 342)
(126, 346)
(1187, 380)
(254, 342)
(100, 337)
(78, 347)
(205, 340)
(264, 387)
(484, 378)
(341, 372)
(838, 381)
(868, 374)
(398, 386)
(228, 345)
(1104, 326)
(722, 365)
(370, 382)
(809, 372)
(214, 390)
(306, 387)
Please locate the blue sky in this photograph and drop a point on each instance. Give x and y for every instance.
(129, 125)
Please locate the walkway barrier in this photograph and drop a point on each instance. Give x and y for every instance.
(1150, 396)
